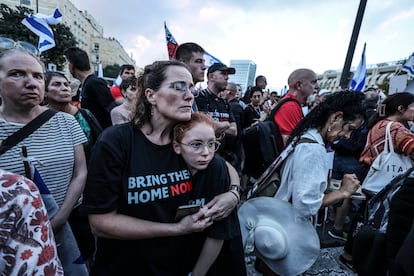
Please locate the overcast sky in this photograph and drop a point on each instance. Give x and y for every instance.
(278, 35)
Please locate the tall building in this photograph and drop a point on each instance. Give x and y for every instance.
(86, 30)
(245, 73)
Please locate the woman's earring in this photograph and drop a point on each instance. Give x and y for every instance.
(381, 110)
(329, 128)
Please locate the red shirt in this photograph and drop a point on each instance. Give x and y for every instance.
(288, 116)
(116, 92)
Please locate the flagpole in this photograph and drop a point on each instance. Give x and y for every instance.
(352, 43)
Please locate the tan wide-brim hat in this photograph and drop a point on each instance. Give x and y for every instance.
(287, 244)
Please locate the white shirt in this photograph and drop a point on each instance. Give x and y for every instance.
(304, 176)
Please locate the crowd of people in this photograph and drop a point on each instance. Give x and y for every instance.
(149, 175)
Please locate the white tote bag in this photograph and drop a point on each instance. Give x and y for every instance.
(387, 165)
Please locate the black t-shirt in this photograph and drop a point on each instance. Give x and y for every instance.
(251, 115)
(96, 97)
(208, 183)
(215, 106)
(237, 111)
(219, 110)
(137, 178)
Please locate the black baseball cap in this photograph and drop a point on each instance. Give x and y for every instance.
(221, 67)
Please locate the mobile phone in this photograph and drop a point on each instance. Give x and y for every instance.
(186, 210)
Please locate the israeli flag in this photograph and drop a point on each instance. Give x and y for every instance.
(39, 24)
(210, 59)
(409, 66)
(118, 81)
(358, 81)
(100, 71)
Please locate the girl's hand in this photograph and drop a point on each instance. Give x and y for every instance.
(196, 222)
(221, 206)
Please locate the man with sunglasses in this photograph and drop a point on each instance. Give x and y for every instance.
(95, 94)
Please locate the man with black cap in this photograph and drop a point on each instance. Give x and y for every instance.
(209, 102)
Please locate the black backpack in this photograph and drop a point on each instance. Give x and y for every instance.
(261, 143)
(373, 252)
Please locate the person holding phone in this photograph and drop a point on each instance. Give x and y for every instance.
(255, 111)
(196, 142)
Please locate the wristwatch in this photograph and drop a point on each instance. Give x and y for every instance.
(237, 188)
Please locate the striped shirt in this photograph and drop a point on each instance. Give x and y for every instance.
(52, 145)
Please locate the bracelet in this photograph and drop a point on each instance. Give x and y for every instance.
(236, 194)
(237, 188)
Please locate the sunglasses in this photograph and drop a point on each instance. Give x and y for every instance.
(7, 44)
(181, 86)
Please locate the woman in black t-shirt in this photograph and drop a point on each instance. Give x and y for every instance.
(136, 182)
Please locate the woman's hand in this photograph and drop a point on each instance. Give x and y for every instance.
(221, 206)
(196, 222)
(350, 184)
(57, 223)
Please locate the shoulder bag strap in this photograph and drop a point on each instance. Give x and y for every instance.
(279, 161)
(388, 145)
(25, 131)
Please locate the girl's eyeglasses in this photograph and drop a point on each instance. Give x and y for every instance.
(198, 147)
(7, 44)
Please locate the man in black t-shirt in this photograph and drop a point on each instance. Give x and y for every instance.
(235, 142)
(95, 94)
(220, 111)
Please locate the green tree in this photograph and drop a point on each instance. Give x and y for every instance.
(112, 71)
(11, 26)
(385, 85)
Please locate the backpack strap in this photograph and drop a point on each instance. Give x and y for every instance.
(26, 130)
(305, 140)
(94, 125)
(279, 104)
(276, 164)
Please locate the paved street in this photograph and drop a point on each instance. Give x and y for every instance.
(325, 265)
